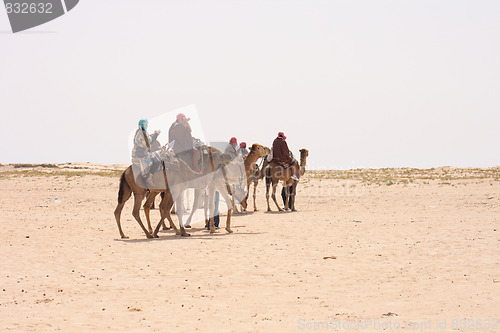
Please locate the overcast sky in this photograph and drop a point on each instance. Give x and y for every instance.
(358, 83)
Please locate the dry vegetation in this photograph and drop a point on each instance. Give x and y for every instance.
(66, 170)
(392, 176)
(387, 176)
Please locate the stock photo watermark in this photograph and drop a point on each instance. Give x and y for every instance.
(27, 14)
(463, 324)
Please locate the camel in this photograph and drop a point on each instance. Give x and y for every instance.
(227, 173)
(257, 151)
(275, 173)
(255, 180)
(169, 201)
(209, 164)
(128, 185)
(303, 160)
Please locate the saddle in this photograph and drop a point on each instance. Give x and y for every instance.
(285, 164)
(171, 162)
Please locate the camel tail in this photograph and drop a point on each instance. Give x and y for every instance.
(123, 186)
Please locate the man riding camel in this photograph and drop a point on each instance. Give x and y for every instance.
(142, 157)
(243, 151)
(180, 131)
(231, 147)
(282, 155)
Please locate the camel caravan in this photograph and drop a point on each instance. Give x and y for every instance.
(187, 163)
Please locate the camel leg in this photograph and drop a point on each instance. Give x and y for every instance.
(165, 206)
(206, 210)
(162, 195)
(197, 193)
(234, 206)
(165, 213)
(150, 198)
(274, 197)
(244, 202)
(169, 203)
(293, 193)
(138, 197)
(211, 206)
(267, 196)
(179, 204)
(254, 196)
(227, 199)
(118, 210)
(155, 232)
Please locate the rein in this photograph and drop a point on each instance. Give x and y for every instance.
(252, 174)
(164, 174)
(211, 158)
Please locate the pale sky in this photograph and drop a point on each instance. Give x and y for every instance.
(358, 83)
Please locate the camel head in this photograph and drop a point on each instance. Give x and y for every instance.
(303, 156)
(260, 150)
(303, 153)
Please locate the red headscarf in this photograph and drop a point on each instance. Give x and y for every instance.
(282, 135)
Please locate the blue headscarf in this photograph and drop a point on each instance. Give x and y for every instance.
(143, 124)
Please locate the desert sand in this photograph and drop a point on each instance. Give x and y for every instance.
(418, 250)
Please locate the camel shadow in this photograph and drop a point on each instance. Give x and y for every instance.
(248, 212)
(278, 212)
(204, 235)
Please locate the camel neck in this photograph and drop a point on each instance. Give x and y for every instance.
(302, 161)
(250, 160)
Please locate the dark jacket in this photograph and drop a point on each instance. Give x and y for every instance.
(281, 153)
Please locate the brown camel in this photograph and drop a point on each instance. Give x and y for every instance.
(303, 159)
(256, 152)
(129, 185)
(275, 173)
(255, 179)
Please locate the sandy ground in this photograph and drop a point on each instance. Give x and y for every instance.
(368, 250)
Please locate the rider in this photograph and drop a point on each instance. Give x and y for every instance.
(231, 147)
(180, 131)
(141, 153)
(243, 151)
(282, 155)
